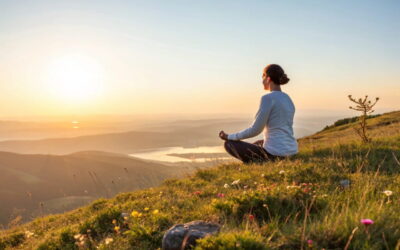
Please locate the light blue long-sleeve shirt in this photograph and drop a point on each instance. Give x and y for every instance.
(275, 117)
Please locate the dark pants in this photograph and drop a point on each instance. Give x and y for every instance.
(248, 152)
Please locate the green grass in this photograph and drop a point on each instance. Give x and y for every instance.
(280, 205)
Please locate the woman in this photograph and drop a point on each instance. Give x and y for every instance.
(274, 116)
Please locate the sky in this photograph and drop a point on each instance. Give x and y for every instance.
(194, 57)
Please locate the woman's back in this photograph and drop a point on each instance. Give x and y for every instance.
(278, 135)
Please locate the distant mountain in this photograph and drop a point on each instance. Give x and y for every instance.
(182, 133)
(31, 185)
(195, 134)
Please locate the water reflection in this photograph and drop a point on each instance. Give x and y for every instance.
(200, 154)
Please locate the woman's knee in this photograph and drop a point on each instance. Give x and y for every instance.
(231, 147)
(227, 145)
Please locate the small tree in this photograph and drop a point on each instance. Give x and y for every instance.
(365, 106)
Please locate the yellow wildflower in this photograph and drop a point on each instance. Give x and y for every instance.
(156, 211)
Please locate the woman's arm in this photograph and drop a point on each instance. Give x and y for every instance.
(259, 122)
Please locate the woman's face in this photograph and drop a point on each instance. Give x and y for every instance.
(266, 81)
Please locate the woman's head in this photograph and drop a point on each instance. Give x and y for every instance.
(274, 74)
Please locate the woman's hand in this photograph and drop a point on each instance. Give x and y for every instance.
(259, 143)
(223, 135)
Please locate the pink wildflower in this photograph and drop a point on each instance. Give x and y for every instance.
(197, 192)
(251, 217)
(220, 195)
(309, 242)
(367, 222)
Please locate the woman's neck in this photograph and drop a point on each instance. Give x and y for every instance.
(275, 87)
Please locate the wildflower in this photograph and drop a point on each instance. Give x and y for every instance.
(117, 228)
(80, 243)
(236, 182)
(29, 234)
(77, 236)
(136, 214)
(310, 243)
(282, 172)
(146, 209)
(197, 192)
(108, 240)
(387, 192)
(155, 211)
(114, 221)
(265, 205)
(251, 217)
(220, 195)
(262, 175)
(245, 187)
(367, 222)
(226, 186)
(80, 239)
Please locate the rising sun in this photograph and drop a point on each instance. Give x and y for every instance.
(75, 78)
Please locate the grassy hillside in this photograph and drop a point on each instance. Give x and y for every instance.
(314, 200)
(61, 183)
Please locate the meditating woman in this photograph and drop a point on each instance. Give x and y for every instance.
(274, 116)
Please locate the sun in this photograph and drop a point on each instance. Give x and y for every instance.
(75, 78)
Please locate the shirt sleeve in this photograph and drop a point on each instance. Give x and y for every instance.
(259, 123)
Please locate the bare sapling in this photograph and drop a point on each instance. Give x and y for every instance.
(365, 106)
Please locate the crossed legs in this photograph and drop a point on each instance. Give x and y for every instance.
(248, 152)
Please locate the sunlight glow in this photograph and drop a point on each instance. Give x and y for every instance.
(75, 78)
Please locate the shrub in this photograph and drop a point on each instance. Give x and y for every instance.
(237, 241)
(65, 241)
(206, 174)
(12, 240)
(98, 205)
(101, 224)
(142, 237)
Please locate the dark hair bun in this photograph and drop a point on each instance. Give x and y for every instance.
(276, 73)
(283, 79)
